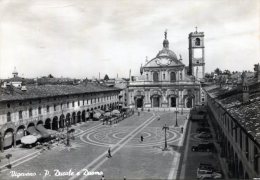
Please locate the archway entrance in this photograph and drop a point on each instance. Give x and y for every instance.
(189, 102)
(173, 101)
(139, 103)
(55, 123)
(156, 101)
(47, 124)
(8, 138)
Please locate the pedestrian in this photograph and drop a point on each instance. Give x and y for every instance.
(181, 129)
(109, 153)
(142, 138)
(103, 177)
(124, 178)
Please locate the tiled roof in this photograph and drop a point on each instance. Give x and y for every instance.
(41, 91)
(247, 114)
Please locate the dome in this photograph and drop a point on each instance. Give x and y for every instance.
(167, 53)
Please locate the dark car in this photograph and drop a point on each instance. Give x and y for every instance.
(209, 147)
(205, 135)
(203, 129)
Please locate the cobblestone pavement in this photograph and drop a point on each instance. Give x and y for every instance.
(130, 157)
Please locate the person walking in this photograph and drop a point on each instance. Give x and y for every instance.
(142, 138)
(109, 153)
(103, 177)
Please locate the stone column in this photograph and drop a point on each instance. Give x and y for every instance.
(14, 138)
(1, 142)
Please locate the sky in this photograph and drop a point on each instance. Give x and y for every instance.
(82, 38)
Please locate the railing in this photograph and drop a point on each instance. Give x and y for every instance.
(167, 109)
(135, 83)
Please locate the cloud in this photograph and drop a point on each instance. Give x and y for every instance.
(79, 38)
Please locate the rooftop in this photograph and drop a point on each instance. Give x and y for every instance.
(247, 114)
(41, 91)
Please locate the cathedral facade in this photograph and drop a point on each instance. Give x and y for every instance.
(165, 82)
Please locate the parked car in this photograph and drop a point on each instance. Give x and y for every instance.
(205, 135)
(207, 171)
(203, 129)
(204, 170)
(209, 147)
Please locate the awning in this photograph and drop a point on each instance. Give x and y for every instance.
(30, 139)
(44, 132)
(8, 139)
(115, 111)
(19, 134)
(101, 112)
(97, 115)
(107, 114)
(34, 132)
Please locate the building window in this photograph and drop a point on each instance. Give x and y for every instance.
(173, 76)
(247, 148)
(20, 114)
(68, 104)
(30, 112)
(39, 110)
(256, 157)
(8, 105)
(73, 104)
(9, 117)
(83, 102)
(240, 139)
(54, 107)
(197, 41)
(155, 77)
(48, 109)
(164, 76)
(147, 77)
(78, 103)
(20, 104)
(202, 99)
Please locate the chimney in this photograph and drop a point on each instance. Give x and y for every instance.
(257, 72)
(245, 89)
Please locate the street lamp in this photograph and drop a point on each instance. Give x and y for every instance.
(165, 128)
(68, 138)
(176, 122)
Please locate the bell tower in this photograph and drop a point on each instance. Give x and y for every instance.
(196, 55)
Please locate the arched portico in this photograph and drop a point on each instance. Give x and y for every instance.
(73, 118)
(83, 116)
(55, 123)
(47, 124)
(62, 121)
(20, 133)
(78, 117)
(8, 138)
(139, 101)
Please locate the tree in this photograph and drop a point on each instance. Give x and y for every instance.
(217, 71)
(227, 72)
(106, 77)
(50, 76)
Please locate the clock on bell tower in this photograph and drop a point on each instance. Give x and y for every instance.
(196, 55)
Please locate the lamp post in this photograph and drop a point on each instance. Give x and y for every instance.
(165, 128)
(68, 138)
(176, 122)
